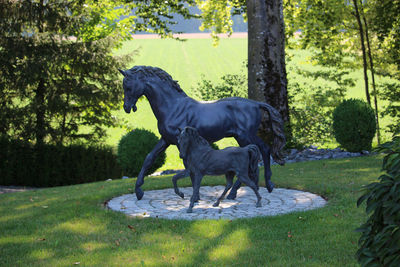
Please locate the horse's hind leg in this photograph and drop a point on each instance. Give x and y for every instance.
(265, 152)
(235, 188)
(245, 179)
(176, 177)
(229, 180)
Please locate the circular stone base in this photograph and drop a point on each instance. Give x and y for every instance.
(166, 204)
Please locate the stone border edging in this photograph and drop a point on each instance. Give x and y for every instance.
(167, 205)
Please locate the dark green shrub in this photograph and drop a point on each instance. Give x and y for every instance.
(23, 164)
(354, 125)
(379, 244)
(133, 149)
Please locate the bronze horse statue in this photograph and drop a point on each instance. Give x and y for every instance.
(229, 117)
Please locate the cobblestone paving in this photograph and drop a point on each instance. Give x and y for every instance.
(166, 204)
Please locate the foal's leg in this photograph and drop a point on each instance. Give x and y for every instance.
(245, 179)
(178, 176)
(196, 180)
(242, 141)
(229, 180)
(198, 196)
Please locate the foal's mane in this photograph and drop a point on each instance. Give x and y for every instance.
(150, 72)
(195, 137)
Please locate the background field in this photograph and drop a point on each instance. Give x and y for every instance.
(187, 62)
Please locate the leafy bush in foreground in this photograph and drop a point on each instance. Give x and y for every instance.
(23, 164)
(354, 125)
(380, 239)
(133, 149)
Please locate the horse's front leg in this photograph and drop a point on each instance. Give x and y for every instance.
(150, 158)
(177, 177)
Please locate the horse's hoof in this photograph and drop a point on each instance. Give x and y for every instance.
(270, 186)
(258, 205)
(139, 193)
(189, 210)
(182, 195)
(216, 204)
(231, 196)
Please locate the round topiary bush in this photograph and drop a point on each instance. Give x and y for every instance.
(354, 125)
(133, 149)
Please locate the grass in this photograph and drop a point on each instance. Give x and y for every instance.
(187, 62)
(62, 226)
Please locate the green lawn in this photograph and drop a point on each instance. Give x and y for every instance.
(62, 226)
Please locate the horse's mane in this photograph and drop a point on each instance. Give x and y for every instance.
(148, 72)
(195, 137)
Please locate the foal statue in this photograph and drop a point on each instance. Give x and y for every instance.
(229, 117)
(200, 159)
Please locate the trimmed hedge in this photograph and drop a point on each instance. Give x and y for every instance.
(354, 125)
(23, 164)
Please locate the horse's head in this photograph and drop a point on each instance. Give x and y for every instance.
(133, 89)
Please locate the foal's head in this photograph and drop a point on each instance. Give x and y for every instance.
(189, 138)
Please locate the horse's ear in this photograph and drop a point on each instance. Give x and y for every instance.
(122, 72)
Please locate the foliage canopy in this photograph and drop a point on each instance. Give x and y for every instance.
(58, 75)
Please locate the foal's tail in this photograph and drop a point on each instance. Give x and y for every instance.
(273, 125)
(254, 157)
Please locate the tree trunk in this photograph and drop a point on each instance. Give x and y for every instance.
(365, 66)
(266, 54)
(371, 65)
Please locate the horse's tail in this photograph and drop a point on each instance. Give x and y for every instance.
(254, 157)
(273, 125)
